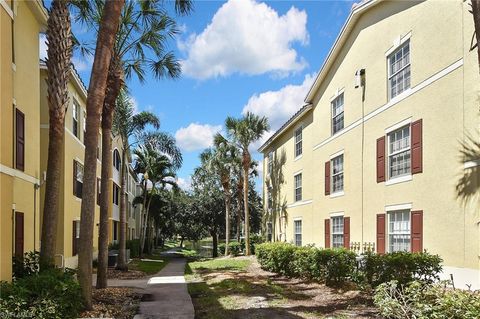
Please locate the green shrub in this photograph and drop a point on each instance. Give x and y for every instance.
(26, 266)
(421, 301)
(51, 293)
(277, 258)
(234, 248)
(132, 244)
(255, 240)
(221, 249)
(403, 267)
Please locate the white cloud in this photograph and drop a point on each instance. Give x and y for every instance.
(196, 136)
(184, 183)
(246, 37)
(279, 106)
(134, 104)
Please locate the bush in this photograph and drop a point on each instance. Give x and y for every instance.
(403, 267)
(421, 301)
(51, 293)
(234, 248)
(26, 266)
(132, 244)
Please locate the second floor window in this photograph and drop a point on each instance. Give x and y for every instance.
(76, 118)
(298, 142)
(84, 125)
(337, 174)
(116, 194)
(399, 152)
(298, 187)
(399, 70)
(77, 179)
(337, 114)
(19, 140)
(270, 162)
(116, 160)
(337, 231)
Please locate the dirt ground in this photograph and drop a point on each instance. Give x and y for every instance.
(255, 293)
(118, 303)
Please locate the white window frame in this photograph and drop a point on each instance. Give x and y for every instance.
(298, 142)
(405, 176)
(296, 187)
(334, 231)
(333, 107)
(402, 232)
(391, 75)
(340, 173)
(295, 233)
(270, 162)
(76, 117)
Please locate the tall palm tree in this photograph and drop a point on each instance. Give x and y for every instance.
(274, 181)
(98, 81)
(59, 54)
(242, 133)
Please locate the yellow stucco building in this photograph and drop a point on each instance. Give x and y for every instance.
(20, 173)
(373, 158)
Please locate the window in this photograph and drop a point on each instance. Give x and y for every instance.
(298, 232)
(76, 115)
(270, 163)
(337, 174)
(116, 160)
(298, 142)
(399, 231)
(337, 114)
(99, 190)
(77, 179)
(269, 231)
(298, 187)
(115, 230)
(399, 152)
(84, 125)
(76, 237)
(19, 140)
(269, 198)
(399, 70)
(337, 231)
(116, 194)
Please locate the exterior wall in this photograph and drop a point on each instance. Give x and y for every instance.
(19, 65)
(443, 93)
(115, 209)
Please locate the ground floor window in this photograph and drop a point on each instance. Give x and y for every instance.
(298, 232)
(269, 231)
(399, 230)
(115, 230)
(337, 231)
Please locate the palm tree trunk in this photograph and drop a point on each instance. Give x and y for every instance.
(142, 217)
(96, 96)
(122, 256)
(476, 22)
(105, 199)
(246, 166)
(142, 245)
(58, 69)
(239, 210)
(227, 220)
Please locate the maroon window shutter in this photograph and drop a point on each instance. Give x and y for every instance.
(381, 233)
(19, 235)
(19, 140)
(327, 178)
(417, 231)
(327, 233)
(346, 232)
(417, 145)
(381, 159)
(75, 177)
(74, 238)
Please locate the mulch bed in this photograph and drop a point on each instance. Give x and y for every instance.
(118, 303)
(130, 274)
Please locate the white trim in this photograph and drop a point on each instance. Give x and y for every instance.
(298, 157)
(14, 67)
(79, 160)
(391, 208)
(337, 214)
(74, 137)
(16, 173)
(337, 154)
(337, 194)
(7, 8)
(398, 125)
(297, 172)
(337, 93)
(14, 102)
(394, 101)
(45, 126)
(400, 179)
(471, 164)
(398, 43)
(300, 203)
(297, 219)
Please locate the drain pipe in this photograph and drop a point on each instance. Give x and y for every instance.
(361, 82)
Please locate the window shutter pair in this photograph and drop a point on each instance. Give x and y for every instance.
(416, 232)
(19, 140)
(416, 144)
(346, 233)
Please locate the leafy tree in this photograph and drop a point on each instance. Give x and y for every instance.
(274, 181)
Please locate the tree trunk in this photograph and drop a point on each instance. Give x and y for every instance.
(246, 166)
(142, 217)
(239, 211)
(95, 99)
(105, 200)
(58, 70)
(142, 245)
(476, 22)
(181, 242)
(122, 256)
(227, 220)
(214, 235)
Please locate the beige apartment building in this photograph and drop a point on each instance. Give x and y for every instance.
(374, 156)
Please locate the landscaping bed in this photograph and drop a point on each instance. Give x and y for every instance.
(239, 288)
(118, 303)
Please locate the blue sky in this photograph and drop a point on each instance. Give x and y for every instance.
(236, 55)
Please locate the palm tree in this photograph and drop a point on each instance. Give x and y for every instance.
(242, 133)
(157, 170)
(59, 54)
(98, 81)
(274, 181)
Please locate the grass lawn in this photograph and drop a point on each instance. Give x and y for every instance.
(149, 267)
(237, 288)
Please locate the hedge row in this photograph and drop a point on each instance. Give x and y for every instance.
(334, 266)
